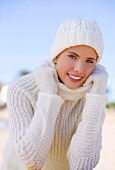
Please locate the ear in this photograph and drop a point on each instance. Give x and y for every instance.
(55, 60)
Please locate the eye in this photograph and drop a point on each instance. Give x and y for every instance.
(89, 61)
(72, 56)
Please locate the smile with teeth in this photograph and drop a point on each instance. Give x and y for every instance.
(74, 77)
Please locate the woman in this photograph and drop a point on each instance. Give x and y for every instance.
(57, 113)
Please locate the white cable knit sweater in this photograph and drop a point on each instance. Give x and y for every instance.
(53, 132)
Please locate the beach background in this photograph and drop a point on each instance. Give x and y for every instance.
(107, 158)
(27, 31)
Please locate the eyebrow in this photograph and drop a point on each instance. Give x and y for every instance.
(79, 56)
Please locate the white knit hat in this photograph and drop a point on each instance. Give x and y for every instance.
(75, 32)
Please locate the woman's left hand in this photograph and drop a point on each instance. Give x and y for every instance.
(98, 78)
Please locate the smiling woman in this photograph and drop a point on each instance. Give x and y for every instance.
(56, 113)
(75, 64)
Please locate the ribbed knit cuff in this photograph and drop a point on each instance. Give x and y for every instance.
(87, 163)
(92, 100)
(50, 104)
(94, 107)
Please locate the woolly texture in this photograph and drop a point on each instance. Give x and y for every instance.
(75, 32)
(53, 131)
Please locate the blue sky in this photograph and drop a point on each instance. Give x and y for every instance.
(27, 31)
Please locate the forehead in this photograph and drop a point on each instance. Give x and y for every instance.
(81, 47)
(82, 51)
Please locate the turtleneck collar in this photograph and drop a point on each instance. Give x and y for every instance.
(72, 95)
(64, 91)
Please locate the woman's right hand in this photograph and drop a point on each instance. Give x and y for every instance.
(46, 77)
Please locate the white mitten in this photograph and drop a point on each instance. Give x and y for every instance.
(98, 78)
(46, 77)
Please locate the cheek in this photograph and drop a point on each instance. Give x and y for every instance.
(89, 70)
(62, 69)
(59, 69)
(61, 66)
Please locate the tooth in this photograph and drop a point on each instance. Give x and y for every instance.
(74, 77)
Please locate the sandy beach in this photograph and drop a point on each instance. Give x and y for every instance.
(107, 158)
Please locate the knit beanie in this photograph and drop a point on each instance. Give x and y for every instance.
(75, 32)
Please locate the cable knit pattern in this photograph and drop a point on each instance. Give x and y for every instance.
(53, 132)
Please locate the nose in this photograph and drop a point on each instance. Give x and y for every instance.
(79, 67)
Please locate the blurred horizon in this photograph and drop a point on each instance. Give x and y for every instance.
(27, 31)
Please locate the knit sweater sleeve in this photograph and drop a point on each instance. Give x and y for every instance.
(33, 131)
(85, 146)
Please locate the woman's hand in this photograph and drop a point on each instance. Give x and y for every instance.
(46, 77)
(98, 78)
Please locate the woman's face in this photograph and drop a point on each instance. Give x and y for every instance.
(75, 64)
